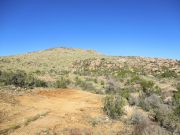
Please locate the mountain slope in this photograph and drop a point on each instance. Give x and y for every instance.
(138, 91)
(55, 58)
(59, 59)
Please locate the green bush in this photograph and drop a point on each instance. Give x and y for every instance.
(176, 97)
(5, 77)
(113, 106)
(13, 78)
(87, 84)
(20, 78)
(78, 81)
(40, 83)
(102, 82)
(124, 73)
(135, 79)
(178, 87)
(149, 87)
(177, 110)
(125, 93)
(176, 101)
(62, 83)
(168, 74)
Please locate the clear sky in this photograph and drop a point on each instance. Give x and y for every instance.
(114, 27)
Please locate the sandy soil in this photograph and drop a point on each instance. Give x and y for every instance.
(57, 111)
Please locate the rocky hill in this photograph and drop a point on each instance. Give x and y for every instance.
(60, 59)
(45, 60)
(147, 65)
(142, 95)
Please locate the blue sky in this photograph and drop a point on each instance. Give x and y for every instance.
(114, 27)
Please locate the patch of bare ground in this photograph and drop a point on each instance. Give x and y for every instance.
(60, 112)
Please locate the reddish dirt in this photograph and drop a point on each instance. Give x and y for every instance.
(67, 111)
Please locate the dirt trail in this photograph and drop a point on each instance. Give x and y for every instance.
(61, 101)
(60, 111)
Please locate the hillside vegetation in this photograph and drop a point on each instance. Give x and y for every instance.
(143, 93)
(56, 59)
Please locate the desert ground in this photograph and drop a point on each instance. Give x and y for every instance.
(70, 91)
(56, 111)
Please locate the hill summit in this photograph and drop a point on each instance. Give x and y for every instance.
(66, 58)
(53, 58)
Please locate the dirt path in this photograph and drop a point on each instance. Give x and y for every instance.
(71, 112)
(61, 101)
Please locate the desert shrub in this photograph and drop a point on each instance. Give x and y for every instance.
(150, 102)
(149, 129)
(92, 79)
(94, 121)
(178, 87)
(143, 126)
(88, 85)
(85, 84)
(138, 118)
(177, 110)
(62, 83)
(95, 80)
(161, 113)
(78, 81)
(31, 82)
(124, 93)
(113, 106)
(166, 117)
(20, 78)
(149, 87)
(123, 73)
(135, 79)
(112, 86)
(139, 129)
(176, 102)
(40, 83)
(177, 130)
(134, 100)
(176, 97)
(5, 77)
(167, 73)
(102, 82)
(38, 72)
